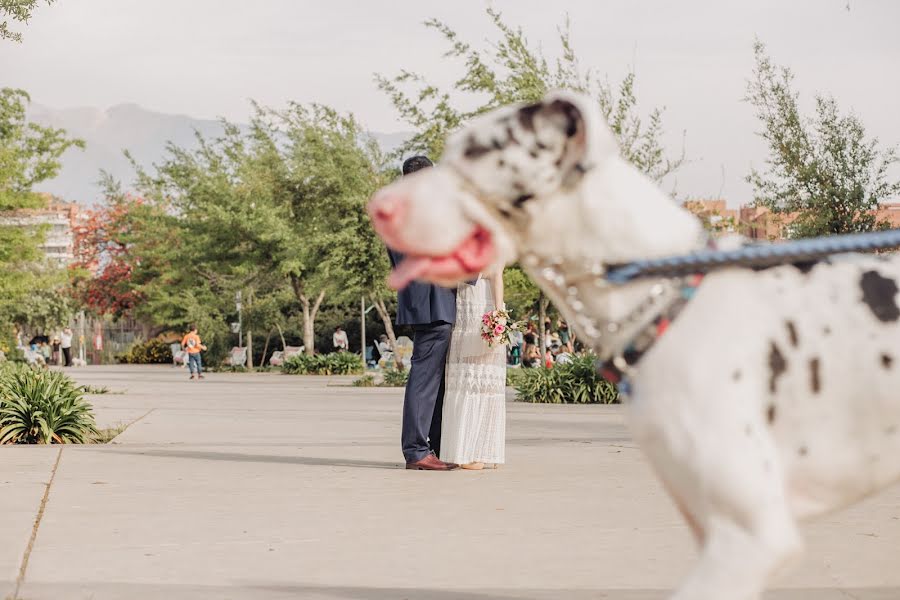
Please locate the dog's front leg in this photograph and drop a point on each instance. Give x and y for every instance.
(734, 489)
(735, 564)
(719, 461)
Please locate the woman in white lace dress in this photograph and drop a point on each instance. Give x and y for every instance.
(473, 432)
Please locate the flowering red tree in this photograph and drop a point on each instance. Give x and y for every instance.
(103, 266)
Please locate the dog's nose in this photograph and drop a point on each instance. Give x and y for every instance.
(386, 210)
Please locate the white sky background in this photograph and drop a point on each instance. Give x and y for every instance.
(207, 58)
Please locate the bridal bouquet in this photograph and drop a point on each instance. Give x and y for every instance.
(496, 327)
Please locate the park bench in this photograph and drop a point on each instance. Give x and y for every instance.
(279, 356)
(237, 357)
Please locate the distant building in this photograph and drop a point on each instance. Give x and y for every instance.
(715, 214)
(57, 220)
(760, 223)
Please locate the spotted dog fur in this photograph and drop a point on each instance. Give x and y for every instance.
(773, 398)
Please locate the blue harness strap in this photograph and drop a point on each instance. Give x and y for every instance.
(692, 267)
(754, 256)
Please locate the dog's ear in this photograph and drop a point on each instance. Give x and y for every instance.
(575, 119)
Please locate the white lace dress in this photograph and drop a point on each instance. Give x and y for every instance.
(474, 416)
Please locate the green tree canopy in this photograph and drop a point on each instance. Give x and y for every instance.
(17, 11)
(29, 154)
(275, 210)
(822, 167)
(510, 69)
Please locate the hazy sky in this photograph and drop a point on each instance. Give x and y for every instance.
(207, 58)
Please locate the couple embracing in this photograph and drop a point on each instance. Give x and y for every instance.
(454, 410)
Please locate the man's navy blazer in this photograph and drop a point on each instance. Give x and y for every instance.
(423, 303)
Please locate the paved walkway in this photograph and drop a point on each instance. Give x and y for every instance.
(273, 487)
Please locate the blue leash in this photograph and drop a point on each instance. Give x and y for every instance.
(754, 256)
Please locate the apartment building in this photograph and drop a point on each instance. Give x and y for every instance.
(57, 219)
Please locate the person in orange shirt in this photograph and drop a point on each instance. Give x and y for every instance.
(192, 344)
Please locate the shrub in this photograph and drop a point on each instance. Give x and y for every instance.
(395, 378)
(337, 363)
(42, 407)
(513, 375)
(573, 383)
(155, 351)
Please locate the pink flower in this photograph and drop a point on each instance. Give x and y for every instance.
(499, 329)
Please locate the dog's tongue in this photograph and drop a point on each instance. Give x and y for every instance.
(470, 257)
(424, 267)
(410, 269)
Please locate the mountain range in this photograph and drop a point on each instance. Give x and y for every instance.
(144, 133)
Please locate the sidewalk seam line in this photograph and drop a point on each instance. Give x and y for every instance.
(34, 530)
(130, 424)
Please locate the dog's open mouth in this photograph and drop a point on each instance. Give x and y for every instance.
(471, 257)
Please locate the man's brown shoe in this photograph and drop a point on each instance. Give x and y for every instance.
(431, 463)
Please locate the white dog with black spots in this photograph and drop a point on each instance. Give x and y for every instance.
(773, 397)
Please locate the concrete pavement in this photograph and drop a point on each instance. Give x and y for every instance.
(274, 487)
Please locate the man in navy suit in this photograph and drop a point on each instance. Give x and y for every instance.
(431, 310)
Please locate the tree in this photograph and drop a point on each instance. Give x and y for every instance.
(823, 167)
(29, 154)
(510, 70)
(335, 167)
(272, 207)
(103, 265)
(16, 10)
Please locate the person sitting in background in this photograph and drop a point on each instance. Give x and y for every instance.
(532, 356)
(561, 355)
(45, 352)
(529, 340)
(339, 340)
(384, 345)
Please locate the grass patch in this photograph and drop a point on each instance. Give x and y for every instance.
(365, 381)
(94, 389)
(105, 436)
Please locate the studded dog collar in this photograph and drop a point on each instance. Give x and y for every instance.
(619, 343)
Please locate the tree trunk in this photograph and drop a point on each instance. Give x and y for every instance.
(250, 349)
(542, 317)
(388, 328)
(262, 362)
(281, 335)
(362, 327)
(310, 310)
(309, 320)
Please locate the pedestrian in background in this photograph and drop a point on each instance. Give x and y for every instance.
(56, 355)
(65, 342)
(193, 346)
(339, 340)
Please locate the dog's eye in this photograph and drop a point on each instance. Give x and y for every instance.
(518, 202)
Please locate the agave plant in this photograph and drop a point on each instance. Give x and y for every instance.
(43, 407)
